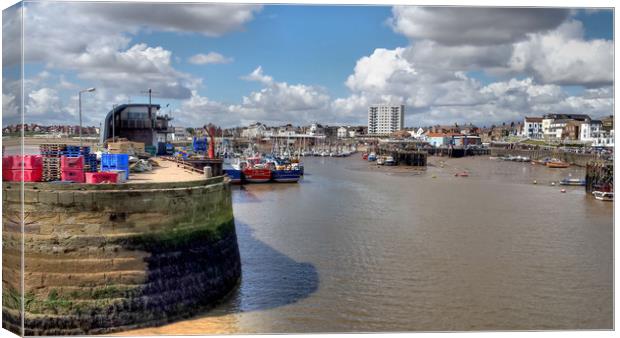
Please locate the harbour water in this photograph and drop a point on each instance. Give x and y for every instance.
(353, 248)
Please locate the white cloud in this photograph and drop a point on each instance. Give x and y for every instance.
(92, 42)
(563, 57)
(211, 57)
(473, 25)
(280, 102)
(275, 103)
(257, 75)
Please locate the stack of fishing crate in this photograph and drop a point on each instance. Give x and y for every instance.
(51, 153)
(116, 163)
(90, 160)
(72, 168)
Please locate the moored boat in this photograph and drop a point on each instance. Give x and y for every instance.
(372, 157)
(390, 161)
(603, 195)
(557, 164)
(286, 175)
(573, 181)
(380, 160)
(365, 156)
(257, 174)
(235, 175)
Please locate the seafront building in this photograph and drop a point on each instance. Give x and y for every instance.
(385, 119)
(532, 127)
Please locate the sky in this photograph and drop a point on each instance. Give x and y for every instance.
(232, 65)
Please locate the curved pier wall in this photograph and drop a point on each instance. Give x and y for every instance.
(106, 258)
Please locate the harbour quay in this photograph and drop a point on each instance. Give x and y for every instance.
(110, 257)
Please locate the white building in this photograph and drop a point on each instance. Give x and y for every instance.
(385, 119)
(533, 127)
(590, 131)
(342, 132)
(605, 139)
(180, 134)
(316, 129)
(437, 139)
(254, 130)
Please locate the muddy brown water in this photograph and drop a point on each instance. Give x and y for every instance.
(355, 248)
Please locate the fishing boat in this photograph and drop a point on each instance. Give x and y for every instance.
(286, 175)
(390, 161)
(603, 195)
(557, 164)
(573, 181)
(234, 173)
(256, 174)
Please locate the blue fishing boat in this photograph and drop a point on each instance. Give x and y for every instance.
(286, 175)
(233, 171)
(235, 175)
(573, 181)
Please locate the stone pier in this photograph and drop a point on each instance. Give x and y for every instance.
(112, 257)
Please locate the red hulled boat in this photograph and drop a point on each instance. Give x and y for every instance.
(257, 175)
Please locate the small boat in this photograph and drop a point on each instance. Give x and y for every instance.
(573, 181)
(286, 175)
(257, 175)
(390, 161)
(603, 195)
(543, 161)
(462, 174)
(557, 164)
(381, 160)
(365, 156)
(372, 157)
(235, 175)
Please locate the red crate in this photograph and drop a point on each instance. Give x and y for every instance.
(29, 175)
(29, 162)
(76, 175)
(102, 177)
(72, 163)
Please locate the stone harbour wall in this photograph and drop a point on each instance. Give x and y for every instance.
(107, 258)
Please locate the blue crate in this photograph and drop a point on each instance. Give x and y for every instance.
(78, 149)
(120, 161)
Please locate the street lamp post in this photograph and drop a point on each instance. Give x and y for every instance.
(113, 121)
(80, 108)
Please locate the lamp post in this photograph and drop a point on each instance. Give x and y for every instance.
(92, 89)
(113, 120)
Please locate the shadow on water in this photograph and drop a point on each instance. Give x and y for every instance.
(269, 279)
(250, 193)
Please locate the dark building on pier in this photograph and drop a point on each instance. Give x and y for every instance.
(138, 122)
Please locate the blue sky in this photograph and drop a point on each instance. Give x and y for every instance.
(298, 44)
(318, 63)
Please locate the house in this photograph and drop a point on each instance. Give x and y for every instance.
(532, 128)
(591, 131)
(438, 139)
(553, 124)
(342, 132)
(255, 130)
(466, 140)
